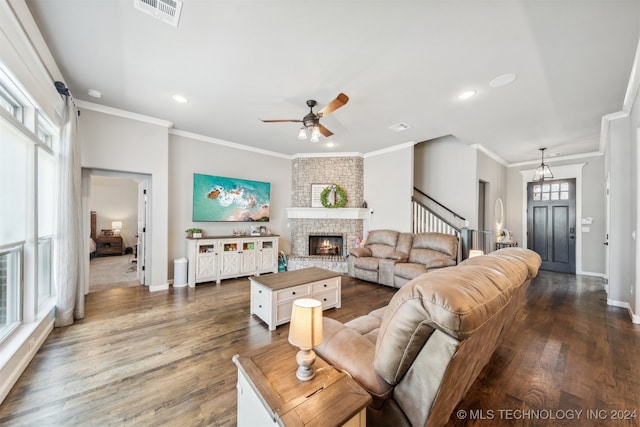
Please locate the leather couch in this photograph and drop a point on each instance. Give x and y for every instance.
(419, 355)
(392, 258)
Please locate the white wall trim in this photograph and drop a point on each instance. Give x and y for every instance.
(391, 149)
(634, 83)
(548, 160)
(311, 155)
(623, 304)
(559, 172)
(121, 113)
(222, 142)
(593, 274)
(156, 288)
(491, 154)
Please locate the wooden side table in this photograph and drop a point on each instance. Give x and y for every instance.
(108, 245)
(270, 394)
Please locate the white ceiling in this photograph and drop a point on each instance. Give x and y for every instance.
(398, 61)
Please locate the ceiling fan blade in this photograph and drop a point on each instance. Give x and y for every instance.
(279, 121)
(340, 100)
(323, 130)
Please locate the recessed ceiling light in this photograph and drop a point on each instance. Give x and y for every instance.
(94, 93)
(503, 80)
(330, 144)
(399, 127)
(180, 99)
(466, 94)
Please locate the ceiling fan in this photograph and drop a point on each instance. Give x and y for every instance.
(312, 120)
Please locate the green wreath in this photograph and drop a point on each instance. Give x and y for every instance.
(341, 197)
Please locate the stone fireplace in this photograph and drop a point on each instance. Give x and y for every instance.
(306, 221)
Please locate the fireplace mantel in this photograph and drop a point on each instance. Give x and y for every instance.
(331, 213)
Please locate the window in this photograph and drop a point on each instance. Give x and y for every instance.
(10, 104)
(28, 171)
(551, 191)
(10, 286)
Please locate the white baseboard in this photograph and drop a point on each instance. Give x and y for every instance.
(590, 273)
(21, 349)
(156, 288)
(623, 304)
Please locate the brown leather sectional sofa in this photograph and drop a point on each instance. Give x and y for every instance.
(392, 258)
(419, 355)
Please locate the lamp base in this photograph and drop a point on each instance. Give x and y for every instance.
(305, 359)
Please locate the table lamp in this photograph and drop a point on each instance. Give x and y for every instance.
(116, 226)
(305, 332)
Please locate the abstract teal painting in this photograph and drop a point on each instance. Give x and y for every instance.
(217, 198)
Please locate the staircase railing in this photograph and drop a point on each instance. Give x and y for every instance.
(431, 216)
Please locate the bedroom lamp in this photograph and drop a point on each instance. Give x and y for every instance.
(305, 332)
(542, 172)
(116, 226)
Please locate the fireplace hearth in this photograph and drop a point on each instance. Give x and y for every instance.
(325, 245)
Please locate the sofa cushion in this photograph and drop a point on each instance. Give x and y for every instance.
(360, 252)
(455, 301)
(429, 246)
(368, 325)
(409, 270)
(381, 243)
(366, 263)
(347, 349)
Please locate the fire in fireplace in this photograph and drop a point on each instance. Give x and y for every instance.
(325, 245)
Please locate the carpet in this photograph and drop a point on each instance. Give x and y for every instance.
(111, 272)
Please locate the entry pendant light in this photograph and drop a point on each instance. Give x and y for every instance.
(542, 172)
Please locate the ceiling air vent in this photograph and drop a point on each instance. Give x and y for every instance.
(399, 127)
(165, 10)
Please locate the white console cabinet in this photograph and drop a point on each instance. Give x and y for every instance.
(223, 257)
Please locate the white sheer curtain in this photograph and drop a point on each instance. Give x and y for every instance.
(70, 277)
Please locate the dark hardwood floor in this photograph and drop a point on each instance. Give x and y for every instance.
(164, 358)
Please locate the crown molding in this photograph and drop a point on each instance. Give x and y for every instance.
(339, 154)
(391, 149)
(121, 113)
(490, 153)
(224, 143)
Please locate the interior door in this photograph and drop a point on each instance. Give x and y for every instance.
(551, 223)
(142, 230)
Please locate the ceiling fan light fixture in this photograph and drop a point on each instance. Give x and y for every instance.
(302, 133)
(315, 133)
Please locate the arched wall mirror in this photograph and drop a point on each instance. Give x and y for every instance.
(499, 212)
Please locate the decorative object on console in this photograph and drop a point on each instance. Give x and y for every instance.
(504, 235)
(117, 227)
(305, 332)
(194, 233)
(219, 199)
(542, 172)
(255, 230)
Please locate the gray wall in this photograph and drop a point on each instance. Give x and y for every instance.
(446, 170)
(593, 205)
(388, 186)
(189, 155)
(117, 143)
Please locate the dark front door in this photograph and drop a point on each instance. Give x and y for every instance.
(551, 223)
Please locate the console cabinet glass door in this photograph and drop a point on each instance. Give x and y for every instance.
(230, 258)
(207, 261)
(248, 257)
(268, 255)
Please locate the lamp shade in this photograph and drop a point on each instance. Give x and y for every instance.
(305, 329)
(116, 225)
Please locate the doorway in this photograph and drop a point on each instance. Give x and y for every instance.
(114, 199)
(551, 223)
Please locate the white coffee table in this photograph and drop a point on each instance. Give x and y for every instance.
(272, 295)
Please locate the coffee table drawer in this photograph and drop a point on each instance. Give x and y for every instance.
(325, 285)
(290, 294)
(328, 299)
